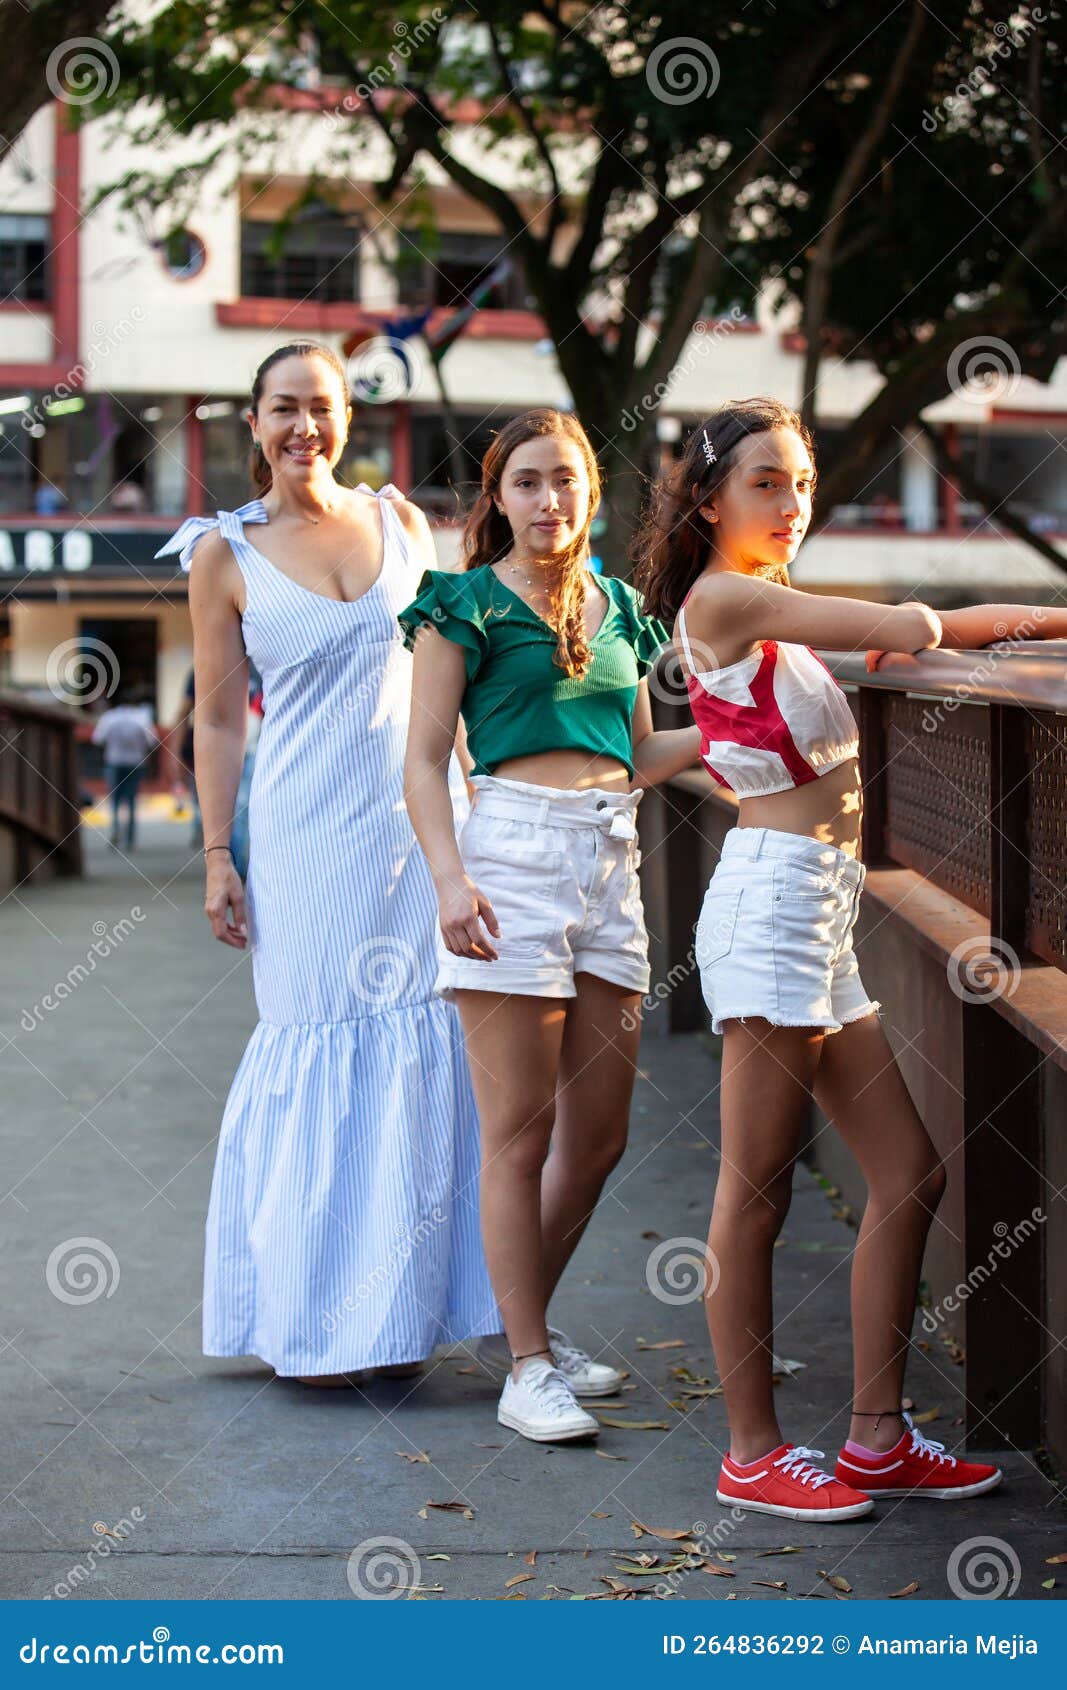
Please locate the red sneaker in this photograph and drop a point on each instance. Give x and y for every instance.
(917, 1467)
(784, 1482)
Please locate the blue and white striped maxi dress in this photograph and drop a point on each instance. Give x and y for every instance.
(343, 1227)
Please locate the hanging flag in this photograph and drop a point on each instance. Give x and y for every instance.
(440, 339)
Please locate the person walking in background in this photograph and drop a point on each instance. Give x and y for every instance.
(184, 785)
(128, 738)
(342, 1231)
(239, 838)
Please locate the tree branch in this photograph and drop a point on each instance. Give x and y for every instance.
(555, 215)
(821, 263)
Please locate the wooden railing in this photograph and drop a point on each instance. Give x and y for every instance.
(962, 937)
(40, 822)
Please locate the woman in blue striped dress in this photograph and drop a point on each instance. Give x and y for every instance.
(342, 1233)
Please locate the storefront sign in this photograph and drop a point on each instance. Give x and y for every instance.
(29, 550)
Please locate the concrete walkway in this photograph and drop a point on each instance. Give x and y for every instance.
(215, 1481)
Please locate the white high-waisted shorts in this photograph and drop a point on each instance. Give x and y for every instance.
(774, 938)
(560, 870)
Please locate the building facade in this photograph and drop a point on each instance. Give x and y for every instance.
(127, 349)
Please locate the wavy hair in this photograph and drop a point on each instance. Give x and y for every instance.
(672, 542)
(258, 467)
(487, 534)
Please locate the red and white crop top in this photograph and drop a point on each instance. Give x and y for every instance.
(773, 721)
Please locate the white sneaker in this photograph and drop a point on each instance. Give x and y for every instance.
(540, 1404)
(586, 1378)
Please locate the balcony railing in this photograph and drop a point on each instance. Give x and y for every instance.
(40, 823)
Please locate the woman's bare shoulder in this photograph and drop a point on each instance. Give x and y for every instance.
(213, 571)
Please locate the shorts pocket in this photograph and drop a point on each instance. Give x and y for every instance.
(794, 884)
(520, 876)
(715, 929)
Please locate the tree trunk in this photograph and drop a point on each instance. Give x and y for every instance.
(30, 35)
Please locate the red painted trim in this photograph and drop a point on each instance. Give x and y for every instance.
(97, 524)
(39, 377)
(33, 308)
(400, 446)
(951, 521)
(66, 238)
(343, 315)
(1000, 413)
(194, 460)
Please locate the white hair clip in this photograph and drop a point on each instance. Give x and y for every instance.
(709, 450)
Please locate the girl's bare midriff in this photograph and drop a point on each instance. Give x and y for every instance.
(828, 809)
(566, 769)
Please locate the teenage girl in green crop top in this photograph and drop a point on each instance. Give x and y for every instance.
(542, 941)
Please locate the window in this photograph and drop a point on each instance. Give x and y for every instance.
(447, 268)
(445, 481)
(184, 254)
(318, 257)
(24, 243)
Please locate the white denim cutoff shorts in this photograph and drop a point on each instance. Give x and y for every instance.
(560, 870)
(774, 938)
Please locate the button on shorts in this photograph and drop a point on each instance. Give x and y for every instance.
(560, 870)
(774, 938)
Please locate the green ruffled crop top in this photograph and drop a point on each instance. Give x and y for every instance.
(518, 701)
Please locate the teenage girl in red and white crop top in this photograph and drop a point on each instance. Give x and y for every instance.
(774, 946)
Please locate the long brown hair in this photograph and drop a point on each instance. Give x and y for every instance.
(672, 542)
(258, 467)
(487, 535)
